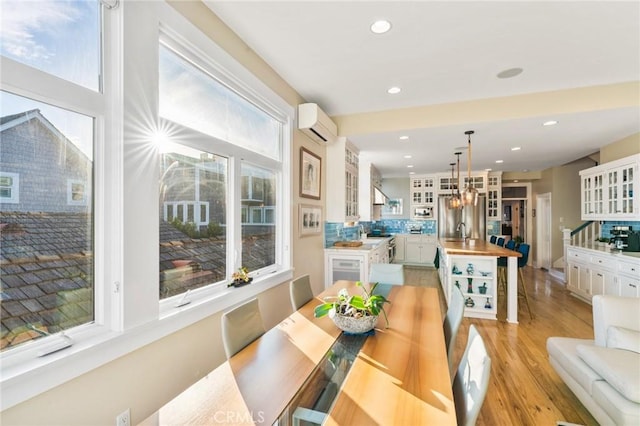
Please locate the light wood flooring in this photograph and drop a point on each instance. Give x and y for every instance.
(524, 389)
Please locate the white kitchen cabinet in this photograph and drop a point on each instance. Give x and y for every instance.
(607, 191)
(369, 177)
(420, 249)
(342, 181)
(591, 272)
(494, 196)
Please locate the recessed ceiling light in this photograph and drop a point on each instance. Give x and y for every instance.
(499, 161)
(488, 170)
(412, 173)
(410, 166)
(515, 180)
(525, 170)
(511, 72)
(407, 156)
(404, 138)
(381, 26)
(550, 123)
(394, 90)
(515, 148)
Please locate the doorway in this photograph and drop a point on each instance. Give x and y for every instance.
(516, 211)
(543, 231)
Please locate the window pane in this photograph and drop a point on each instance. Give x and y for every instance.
(258, 236)
(193, 208)
(191, 97)
(60, 37)
(46, 243)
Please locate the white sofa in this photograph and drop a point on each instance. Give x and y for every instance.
(604, 373)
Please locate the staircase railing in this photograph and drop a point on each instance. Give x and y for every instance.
(583, 235)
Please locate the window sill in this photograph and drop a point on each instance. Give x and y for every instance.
(26, 375)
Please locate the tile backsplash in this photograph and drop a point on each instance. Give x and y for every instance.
(608, 226)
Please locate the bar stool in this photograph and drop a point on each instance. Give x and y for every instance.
(522, 262)
(500, 242)
(493, 239)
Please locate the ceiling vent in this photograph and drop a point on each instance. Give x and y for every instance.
(316, 123)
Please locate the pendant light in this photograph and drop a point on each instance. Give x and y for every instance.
(452, 203)
(455, 202)
(470, 194)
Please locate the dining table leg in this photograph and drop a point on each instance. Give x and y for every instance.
(512, 289)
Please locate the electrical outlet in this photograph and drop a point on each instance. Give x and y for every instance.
(124, 418)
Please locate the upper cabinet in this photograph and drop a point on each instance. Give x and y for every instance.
(494, 196)
(607, 191)
(423, 196)
(369, 177)
(342, 181)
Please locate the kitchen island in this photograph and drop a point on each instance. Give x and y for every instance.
(472, 266)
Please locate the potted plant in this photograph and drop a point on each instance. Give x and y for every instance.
(241, 277)
(354, 314)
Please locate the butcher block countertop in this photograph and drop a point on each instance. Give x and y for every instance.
(475, 248)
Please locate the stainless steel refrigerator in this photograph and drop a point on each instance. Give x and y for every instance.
(474, 218)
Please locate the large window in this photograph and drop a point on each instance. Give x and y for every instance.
(194, 232)
(47, 167)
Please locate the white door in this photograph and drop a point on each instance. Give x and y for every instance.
(543, 225)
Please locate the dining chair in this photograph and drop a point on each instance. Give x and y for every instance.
(386, 273)
(300, 291)
(241, 326)
(493, 239)
(452, 320)
(472, 379)
(500, 242)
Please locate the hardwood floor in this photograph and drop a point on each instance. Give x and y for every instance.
(524, 388)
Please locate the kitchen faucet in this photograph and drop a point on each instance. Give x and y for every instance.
(462, 228)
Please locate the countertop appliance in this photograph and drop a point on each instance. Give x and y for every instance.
(473, 218)
(620, 237)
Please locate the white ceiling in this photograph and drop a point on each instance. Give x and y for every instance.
(443, 53)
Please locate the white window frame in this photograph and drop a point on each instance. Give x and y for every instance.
(14, 188)
(85, 199)
(126, 239)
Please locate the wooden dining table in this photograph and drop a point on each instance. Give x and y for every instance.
(399, 375)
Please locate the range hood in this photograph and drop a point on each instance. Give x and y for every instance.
(378, 197)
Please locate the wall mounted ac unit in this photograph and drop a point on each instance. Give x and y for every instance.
(316, 123)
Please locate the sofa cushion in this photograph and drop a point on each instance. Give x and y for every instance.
(622, 411)
(623, 338)
(563, 351)
(619, 367)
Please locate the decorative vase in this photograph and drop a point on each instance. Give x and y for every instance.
(483, 288)
(487, 305)
(457, 284)
(355, 325)
(469, 285)
(470, 269)
(469, 303)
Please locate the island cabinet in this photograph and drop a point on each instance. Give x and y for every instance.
(476, 277)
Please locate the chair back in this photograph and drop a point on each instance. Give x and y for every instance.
(524, 250)
(300, 291)
(500, 242)
(241, 326)
(511, 245)
(472, 379)
(493, 239)
(386, 273)
(452, 321)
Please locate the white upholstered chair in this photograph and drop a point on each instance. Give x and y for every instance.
(472, 380)
(386, 273)
(452, 320)
(241, 326)
(300, 291)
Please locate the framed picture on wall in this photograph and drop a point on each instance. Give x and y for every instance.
(310, 168)
(310, 220)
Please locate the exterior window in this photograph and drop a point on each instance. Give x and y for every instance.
(47, 245)
(49, 35)
(76, 193)
(193, 193)
(9, 187)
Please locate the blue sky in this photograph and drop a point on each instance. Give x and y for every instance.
(60, 37)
